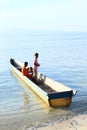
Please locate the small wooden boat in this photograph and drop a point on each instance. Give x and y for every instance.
(53, 93)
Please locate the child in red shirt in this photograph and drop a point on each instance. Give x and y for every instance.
(25, 70)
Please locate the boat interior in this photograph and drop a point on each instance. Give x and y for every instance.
(39, 80)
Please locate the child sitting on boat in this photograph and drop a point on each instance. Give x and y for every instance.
(30, 72)
(25, 70)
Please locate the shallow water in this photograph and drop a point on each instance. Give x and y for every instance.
(62, 57)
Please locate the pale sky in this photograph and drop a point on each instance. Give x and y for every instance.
(64, 15)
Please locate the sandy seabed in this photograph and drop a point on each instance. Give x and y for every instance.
(78, 122)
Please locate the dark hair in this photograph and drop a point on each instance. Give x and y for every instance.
(25, 63)
(36, 54)
(31, 68)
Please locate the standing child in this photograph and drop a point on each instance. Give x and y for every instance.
(36, 64)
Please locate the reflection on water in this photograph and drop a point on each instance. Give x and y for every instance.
(25, 102)
(26, 98)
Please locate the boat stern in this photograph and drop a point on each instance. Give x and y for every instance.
(60, 99)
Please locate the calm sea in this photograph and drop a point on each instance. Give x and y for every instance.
(62, 56)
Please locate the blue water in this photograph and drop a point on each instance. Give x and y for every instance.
(62, 56)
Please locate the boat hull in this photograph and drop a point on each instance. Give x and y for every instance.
(54, 99)
(60, 102)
